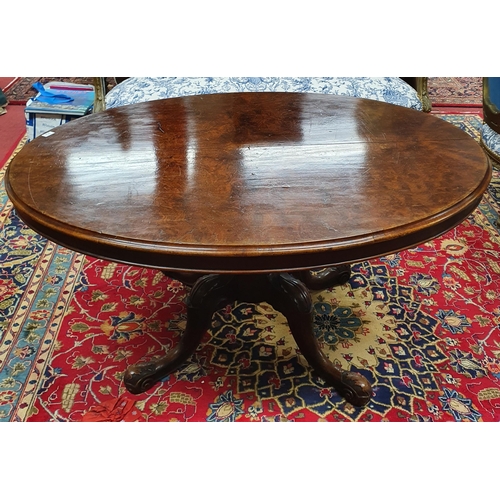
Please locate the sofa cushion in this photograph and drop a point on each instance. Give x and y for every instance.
(140, 89)
(491, 140)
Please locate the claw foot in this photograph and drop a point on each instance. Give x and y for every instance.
(355, 388)
(140, 377)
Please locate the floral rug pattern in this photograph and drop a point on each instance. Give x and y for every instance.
(421, 325)
(455, 91)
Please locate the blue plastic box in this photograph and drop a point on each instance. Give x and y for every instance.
(42, 117)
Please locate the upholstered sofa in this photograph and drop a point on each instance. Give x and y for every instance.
(409, 92)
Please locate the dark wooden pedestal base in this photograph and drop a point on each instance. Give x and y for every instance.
(286, 293)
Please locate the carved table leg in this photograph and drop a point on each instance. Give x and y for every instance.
(286, 294)
(209, 293)
(292, 298)
(327, 277)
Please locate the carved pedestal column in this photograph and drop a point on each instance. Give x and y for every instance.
(286, 294)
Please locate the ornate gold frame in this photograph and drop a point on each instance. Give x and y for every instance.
(422, 92)
(100, 93)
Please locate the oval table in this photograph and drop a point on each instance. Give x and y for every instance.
(249, 196)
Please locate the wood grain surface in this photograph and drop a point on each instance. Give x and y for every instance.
(250, 182)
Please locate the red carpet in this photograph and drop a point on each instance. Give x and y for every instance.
(6, 82)
(12, 130)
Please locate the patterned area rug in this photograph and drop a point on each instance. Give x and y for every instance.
(456, 91)
(421, 325)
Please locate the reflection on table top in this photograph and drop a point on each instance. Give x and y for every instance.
(248, 181)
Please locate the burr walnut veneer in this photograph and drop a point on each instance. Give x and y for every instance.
(243, 196)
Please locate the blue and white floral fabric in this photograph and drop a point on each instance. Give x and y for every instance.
(140, 89)
(491, 140)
